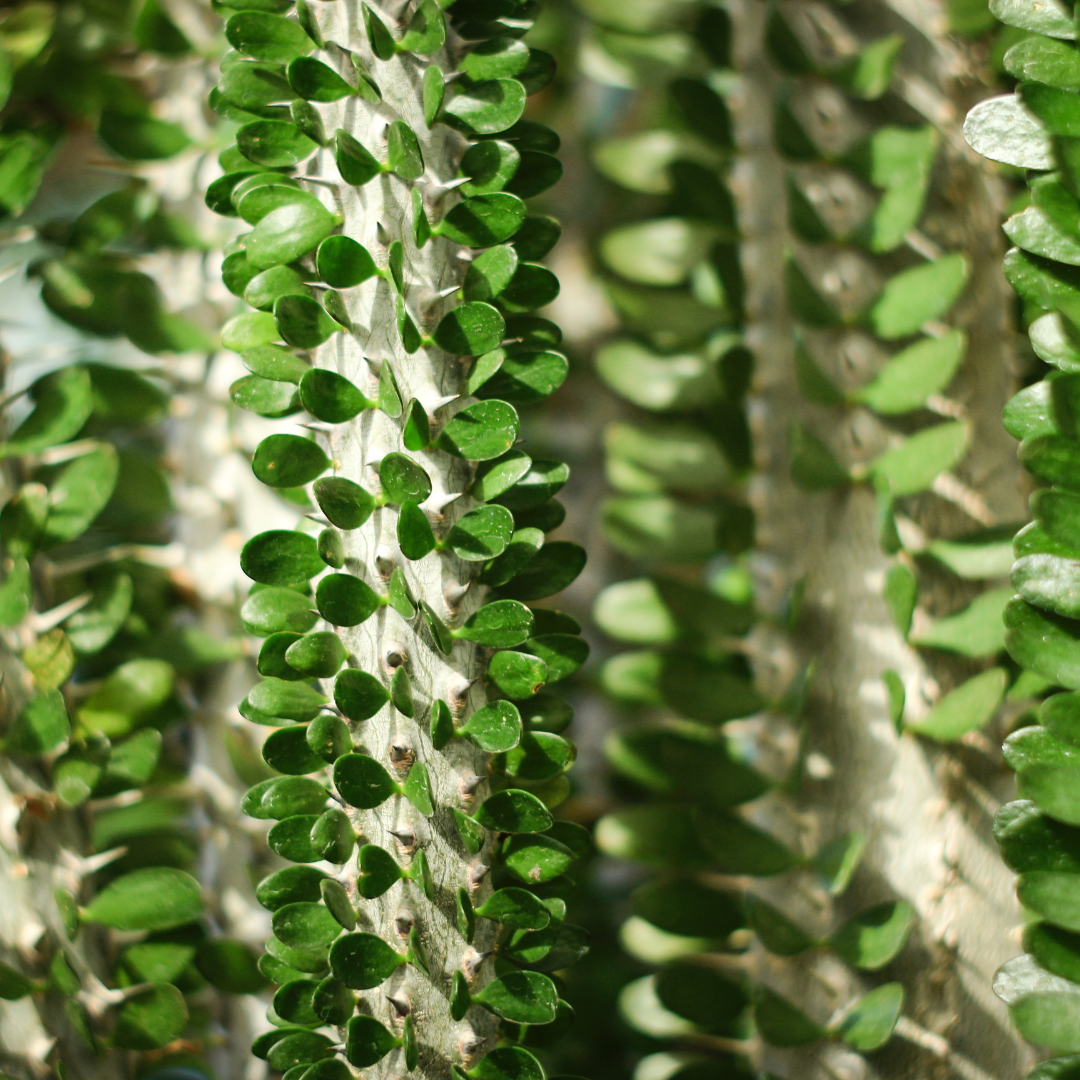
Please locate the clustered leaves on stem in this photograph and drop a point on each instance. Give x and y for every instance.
(101, 652)
(679, 464)
(304, 270)
(1039, 833)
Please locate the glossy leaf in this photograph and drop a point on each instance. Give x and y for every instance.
(480, 432)
(363, 961)
(362, 782)
(344, 600)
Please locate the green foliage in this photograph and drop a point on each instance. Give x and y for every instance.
(321, 929)
(1033, 129)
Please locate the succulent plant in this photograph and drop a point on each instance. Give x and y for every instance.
(383, 162)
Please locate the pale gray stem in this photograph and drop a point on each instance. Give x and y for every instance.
(376, 214)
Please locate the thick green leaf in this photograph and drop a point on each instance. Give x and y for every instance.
(514, 811)
(485, 108)
(523, 997)
(378, 870)
(501, 625)
(534, 859)
(414, 535)
(482, 431)
(354, 162)
(303, 321)
(470, 329)
(267, 37)
(516, 674)
(481, 534)
(403, 151)
(286, 461)
(495, 728)
(1061, 716)
(344, 600)
(287, 751)
(362, 782)
(367, 1042)
(264, 397)
(345, 503)
(331, 397)
(1049, 1019)
(526, 376)
(343, 263)
(305, 925)
(359, 695)
(1046, 644)
(277, 610)
(313, 80)
(403, 480)
(1052, 895)
(156, 898)
(281, 557)
(291, 885)
(483, 219)
(363, 961)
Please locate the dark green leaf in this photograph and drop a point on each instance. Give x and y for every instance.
(363, 961)
(305, 925)
(485, 108)
(281, 557)
(495, 728)
(292, 885)
(285, 461)
(315, 81)
(518, 675)
(483, 219)
(287, 751)
(523, 997)
(501, 625)
(344, 600)
(359, 695)
(362, 782)
(403, 480)
(367, 1042)
(267, 37)
(345, 503)
(514, 811)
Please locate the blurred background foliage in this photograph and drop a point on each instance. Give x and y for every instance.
(110, 274)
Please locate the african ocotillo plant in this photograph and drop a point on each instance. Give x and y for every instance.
(103, 660)
(1035, 129)
(382, 162)
(790, 320)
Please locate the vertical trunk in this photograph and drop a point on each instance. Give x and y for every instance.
(420, 647)
(826, 555)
